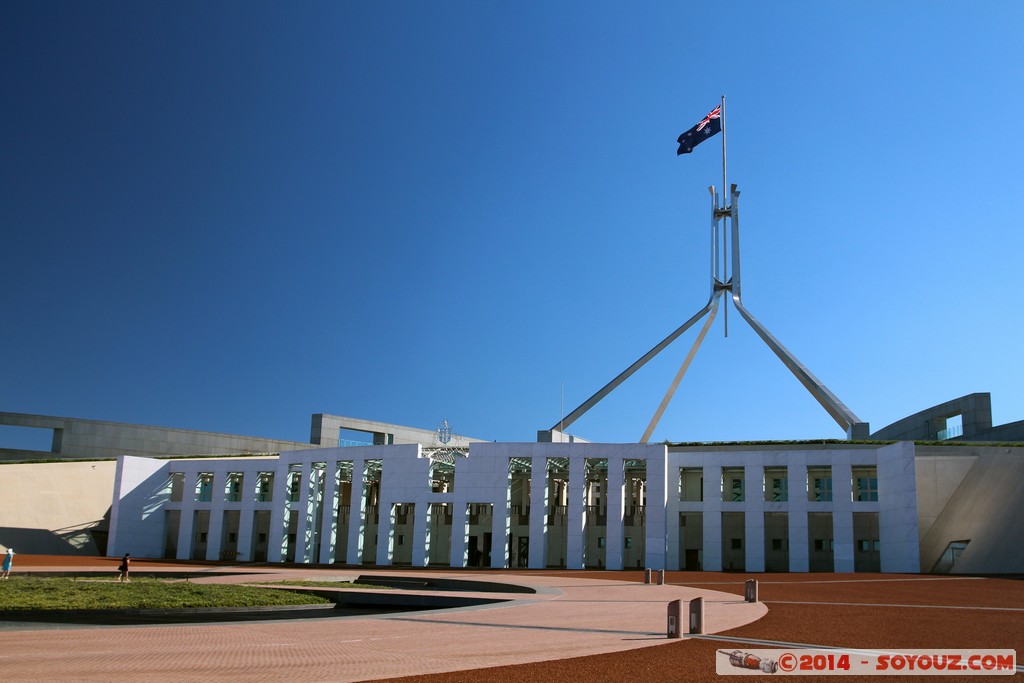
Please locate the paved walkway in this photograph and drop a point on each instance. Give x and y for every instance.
(567, 617)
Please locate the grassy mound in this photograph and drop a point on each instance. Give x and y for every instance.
(30, 593)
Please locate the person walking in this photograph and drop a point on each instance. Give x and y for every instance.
(123, 568)
(8, 561)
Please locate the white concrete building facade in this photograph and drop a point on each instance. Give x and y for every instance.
(507, 505)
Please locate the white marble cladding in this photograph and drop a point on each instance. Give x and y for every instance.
(305, 525)
(897, 502)
(895, 507)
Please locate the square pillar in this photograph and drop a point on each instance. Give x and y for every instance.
(187, 516)
(501, 529)
(656, 529)
(753, 518)
(278, 531)
(799, 537)
(357, 513)
(842, 517)
(420, 533)
(306, 508)
(460, 529)
(539, 502)
(615, 498)
(576, 517)
(712, 518)
(215, 532)
(329, 516)
(245, 530)
(385, 527)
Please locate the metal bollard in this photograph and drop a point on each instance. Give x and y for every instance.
(697, 615)
(750, 590)
(675, 619)
(647, 576)
(661, 577)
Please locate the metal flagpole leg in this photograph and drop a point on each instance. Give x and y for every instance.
(682, 371)
(640, 362)
(844, 417)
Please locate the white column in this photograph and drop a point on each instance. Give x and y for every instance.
(420, 532)
(460, 529)
(712, 518)
(615, 497)
(799, 553)
(215, 532)
(657, 505)
(304, 507)
(501, 527)
(673, 553)
(187, 517)
(576, 517)
(753, 517)
(539, 501)
(357, 513)
(897, 509)
(329, 516)
(386, 526)
(278, 515)
(842, 517)
(245, 516)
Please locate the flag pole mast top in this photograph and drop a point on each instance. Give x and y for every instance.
(721, 283)
(725, 184)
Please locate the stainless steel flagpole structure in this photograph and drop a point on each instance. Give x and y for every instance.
(722, 281)
(723, 207)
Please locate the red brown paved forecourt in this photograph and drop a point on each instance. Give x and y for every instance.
(622, 634)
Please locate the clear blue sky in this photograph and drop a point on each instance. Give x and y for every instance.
(231, 215)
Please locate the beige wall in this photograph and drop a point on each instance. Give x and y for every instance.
(48, 508)
(938, 477)
(975, 497)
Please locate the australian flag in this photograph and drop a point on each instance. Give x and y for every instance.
(711, 124)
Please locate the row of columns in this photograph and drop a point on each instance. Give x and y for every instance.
(314, 477)
(797, 507)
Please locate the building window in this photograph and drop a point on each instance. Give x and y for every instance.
(778, 544)
(442, 476)
(294, 481)
(732, 484)
(232, 537)
(265, 487)
(177, 486)
(233, 490)
(204, 488)
(866, 545)
(776, 484)
(691, 484)
(821, 544)
(737, 544)
(600, 541)
(865, 484)
(820, 480)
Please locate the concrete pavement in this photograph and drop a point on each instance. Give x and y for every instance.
(566, 617)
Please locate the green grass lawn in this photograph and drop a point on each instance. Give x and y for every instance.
(30, 593)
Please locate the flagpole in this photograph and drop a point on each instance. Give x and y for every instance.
(725, 186)
(725, 203)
